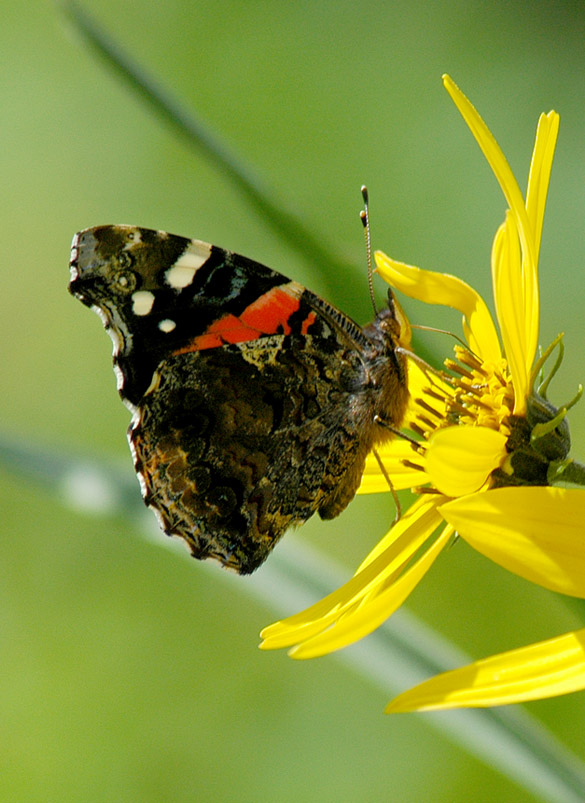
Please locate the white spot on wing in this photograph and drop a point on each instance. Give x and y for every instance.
(182, 272)
(74, 256)
(119, 377)
(116, 328)
(102, 315)
(293, 289)
(128, 404)
(167, 325)
(132, 449)
(116, 340)
(142, 483)
(142, 301)
(134, 237)
(154, 383)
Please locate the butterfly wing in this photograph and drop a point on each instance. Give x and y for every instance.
(253, 398)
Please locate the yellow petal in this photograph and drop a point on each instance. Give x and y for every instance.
(419, 383)
(441, 288)
(361, 620)
(459, 459)
(430, 400)
(509, 295)
(538, 181)
(545, 669)
(497, 162)
(392, 456)
(515, 275)
(417, 524)
(528, 217)
(386, 559)
(535, 532)
(540, 168)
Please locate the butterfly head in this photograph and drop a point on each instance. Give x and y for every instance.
(391, 328)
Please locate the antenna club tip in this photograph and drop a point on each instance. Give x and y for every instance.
(364, 191)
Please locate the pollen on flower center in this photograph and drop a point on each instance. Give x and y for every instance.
(473, 393)
(484, 394)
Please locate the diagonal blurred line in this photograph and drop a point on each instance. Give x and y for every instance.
(317, 253)
(288, 226)
(87, 484)
(397, 655)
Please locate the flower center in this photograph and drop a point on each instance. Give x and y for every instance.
(472, 394)
(483, 392)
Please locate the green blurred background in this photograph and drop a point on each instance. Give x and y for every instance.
(128, 673)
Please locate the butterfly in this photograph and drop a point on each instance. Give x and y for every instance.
(254, 402)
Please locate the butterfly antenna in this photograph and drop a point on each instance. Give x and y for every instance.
(365, 218)
(422, 328)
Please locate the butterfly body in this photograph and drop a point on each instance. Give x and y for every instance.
(254, 401)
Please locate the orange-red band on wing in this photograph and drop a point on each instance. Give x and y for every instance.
(309, 320)
(268, 315)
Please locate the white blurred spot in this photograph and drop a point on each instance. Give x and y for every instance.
(90, 490)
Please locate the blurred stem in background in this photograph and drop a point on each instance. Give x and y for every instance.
(509, 740)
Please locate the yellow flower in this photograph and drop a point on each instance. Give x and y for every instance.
(488, 448)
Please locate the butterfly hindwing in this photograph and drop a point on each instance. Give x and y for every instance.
(234, 446)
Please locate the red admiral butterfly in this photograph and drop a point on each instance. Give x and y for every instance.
(254, 401)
